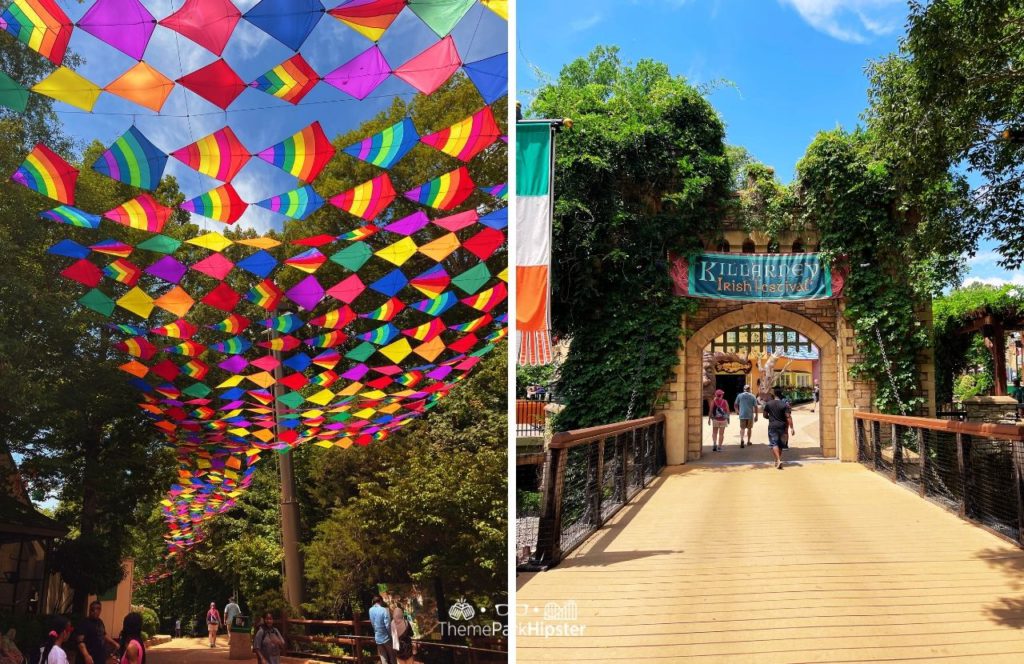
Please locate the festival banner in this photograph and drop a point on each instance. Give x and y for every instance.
(755, 277)
(534, 189)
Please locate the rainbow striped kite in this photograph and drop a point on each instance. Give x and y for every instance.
(46, 172)
(303, 154)
(142, 212)
(134, 160)
(297, 203)
(308, 261)
(72, 216)
(41, 25)
(369, 18)
(368, 199)
(123, 271)
(466, 138)
(220, 204)
(446, 192)
(499, 191)
(291, 80)
(386, 147)
(220, 155)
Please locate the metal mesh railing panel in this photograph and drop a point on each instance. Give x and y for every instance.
(611, 496)
(577, 517)
(942, 471)
(991, 494)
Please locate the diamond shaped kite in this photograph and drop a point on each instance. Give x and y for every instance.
(220, 155)
(288, 21)
(143, 85)
(208, 23)
(430, 69)
(46, 172)
(291, 80)
(124, 24)
(368, 199)
(41, 25)
(69, 87)
(217, 83)
(445, 192)
(369, 18)
(303, 154)
(362, 74)
(222, 204)
(441, 16)
(134, 160)
(467, 138)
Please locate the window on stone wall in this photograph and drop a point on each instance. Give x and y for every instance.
(724, 247)
(748, 246)
(798, 247)
(763, 337)
(773, 247)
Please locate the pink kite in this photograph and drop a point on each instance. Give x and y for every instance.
(430, 69)
(208, 23)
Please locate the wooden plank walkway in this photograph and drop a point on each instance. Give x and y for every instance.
(818, 562)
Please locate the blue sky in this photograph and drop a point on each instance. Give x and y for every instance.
(794, 66)
(258, 119)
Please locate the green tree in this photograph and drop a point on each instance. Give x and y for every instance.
(643, 172)
(428, 506)
(952, 100)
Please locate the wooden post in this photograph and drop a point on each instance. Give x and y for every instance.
(549, 531)
(963, 464)
(995, 339)
(598, 466)
(357, 628)
(876, 443)
(1018, 475)
(620, 476)
(923, 453)
(897, 453)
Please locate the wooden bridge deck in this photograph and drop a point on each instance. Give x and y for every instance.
(818, 562)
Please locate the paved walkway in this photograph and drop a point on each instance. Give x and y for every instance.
(731, 560)
(198, 651)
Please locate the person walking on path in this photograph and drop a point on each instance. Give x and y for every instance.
(746, 410)
(91, 640)
(52, 650)
(177, 628)
(231, 611)
(779, 416)
(380, 618)
(269, 643)
(817, 396)
(718, 418)
(212, 623)
(401, 636)
(132, 647)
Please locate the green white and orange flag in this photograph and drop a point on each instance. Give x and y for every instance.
(534, 198)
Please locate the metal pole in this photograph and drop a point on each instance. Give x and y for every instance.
(293, 573)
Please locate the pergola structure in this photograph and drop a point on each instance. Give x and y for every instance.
(994, 327)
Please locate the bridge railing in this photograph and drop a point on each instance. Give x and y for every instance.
(353, 641)
(589, 475)
(971, 468)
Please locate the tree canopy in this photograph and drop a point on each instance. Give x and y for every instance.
(642, 172)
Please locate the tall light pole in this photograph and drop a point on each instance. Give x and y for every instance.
(293, 568)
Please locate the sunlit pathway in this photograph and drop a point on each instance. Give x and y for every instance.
(198, 651)
(726, 561)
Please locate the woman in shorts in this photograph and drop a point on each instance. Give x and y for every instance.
(718, 418)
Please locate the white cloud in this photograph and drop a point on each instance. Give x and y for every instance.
(855, 21)
(1016, 278)
(579, 25)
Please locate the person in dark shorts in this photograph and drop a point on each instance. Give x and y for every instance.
(91, 641)
(817, 396)
(779, 416)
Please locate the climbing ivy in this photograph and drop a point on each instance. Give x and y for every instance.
(643, 172)
(896, 254)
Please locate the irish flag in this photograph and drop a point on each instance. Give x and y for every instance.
(534, 197)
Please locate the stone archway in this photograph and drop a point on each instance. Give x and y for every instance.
(683, 433)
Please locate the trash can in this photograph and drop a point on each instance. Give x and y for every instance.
(240, 643)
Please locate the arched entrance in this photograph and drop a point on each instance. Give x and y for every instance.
(683, 436)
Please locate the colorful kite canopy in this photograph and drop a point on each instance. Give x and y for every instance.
(132, 159)
(290, 81)
(242, 345)
(46, 172)
(220, 155)
(386, 147)
(467, 138)
(41, 25)
(303, 154)
(369, 18)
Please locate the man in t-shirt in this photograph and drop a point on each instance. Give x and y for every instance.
(779, 416)
(231, 611)
(380, 618)
(746, 407)
(92, 642)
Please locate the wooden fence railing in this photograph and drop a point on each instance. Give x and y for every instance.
(971, 468)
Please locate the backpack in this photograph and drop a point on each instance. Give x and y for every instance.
(717, 412)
